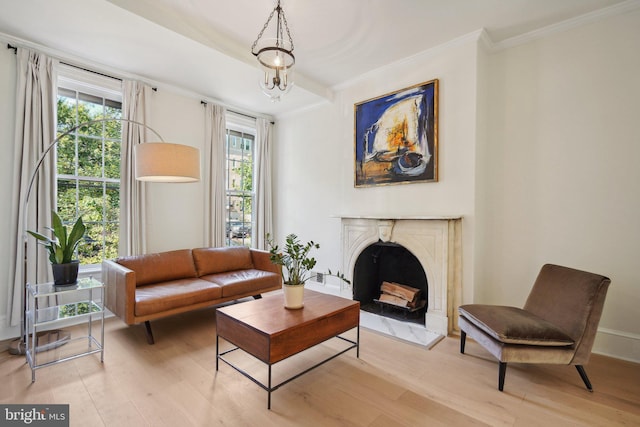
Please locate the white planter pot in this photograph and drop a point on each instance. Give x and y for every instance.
(293, 296)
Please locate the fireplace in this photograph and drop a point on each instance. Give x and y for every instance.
(391, 264)
(428, 246)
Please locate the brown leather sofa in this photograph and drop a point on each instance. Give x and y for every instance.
(146, 287)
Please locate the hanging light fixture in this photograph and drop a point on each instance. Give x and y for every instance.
(275, 56)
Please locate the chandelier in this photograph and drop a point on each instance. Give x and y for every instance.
(275, 56)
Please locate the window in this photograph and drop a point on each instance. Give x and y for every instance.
(88, 170)
(239, 185)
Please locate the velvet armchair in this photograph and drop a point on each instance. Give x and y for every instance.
(557, 324)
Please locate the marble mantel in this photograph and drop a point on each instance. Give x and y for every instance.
(434, 240)
(397, 217)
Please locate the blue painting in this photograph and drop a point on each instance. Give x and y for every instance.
(396, 137)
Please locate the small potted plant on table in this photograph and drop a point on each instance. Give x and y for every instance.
(297, 265)
(61, 249)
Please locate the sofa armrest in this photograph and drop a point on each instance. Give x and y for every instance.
(261, 261)
(120, 285)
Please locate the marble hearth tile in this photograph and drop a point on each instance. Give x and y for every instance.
(406, 331)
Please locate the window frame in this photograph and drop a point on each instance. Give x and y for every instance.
(244, 128)
(92, 85)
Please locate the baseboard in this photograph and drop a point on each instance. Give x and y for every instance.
(618, 344)
(325, 288)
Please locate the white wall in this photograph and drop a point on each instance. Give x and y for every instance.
(175, 210)
(562, 184)
(315, 157)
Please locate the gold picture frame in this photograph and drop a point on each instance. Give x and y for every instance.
(396, 137)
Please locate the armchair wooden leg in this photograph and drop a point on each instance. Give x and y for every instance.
(583, 375)
(463, 340)
(502, 370)
(147, 328)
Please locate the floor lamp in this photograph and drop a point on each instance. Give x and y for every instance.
(154, 162)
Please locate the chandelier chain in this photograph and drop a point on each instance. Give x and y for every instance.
(284, 19)
(266, 24)
(278, 36)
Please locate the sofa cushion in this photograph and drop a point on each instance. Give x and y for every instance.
(160, 267)
(172, 294)
(217, 260)
(244, 281)
(513, 325)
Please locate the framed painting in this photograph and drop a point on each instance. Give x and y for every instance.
(396, 137)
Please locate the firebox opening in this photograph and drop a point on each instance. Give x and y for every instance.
(388, 262)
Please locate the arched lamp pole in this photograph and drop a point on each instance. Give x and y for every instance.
(154, 162)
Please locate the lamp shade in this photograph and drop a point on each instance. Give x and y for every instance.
(167, 162)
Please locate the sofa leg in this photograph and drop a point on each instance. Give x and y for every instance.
(147, 328)
(257, 296)
(502, 370)
(463, 340)
(583, 375)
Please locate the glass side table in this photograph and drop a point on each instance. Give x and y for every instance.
(50, 306)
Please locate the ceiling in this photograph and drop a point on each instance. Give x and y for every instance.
(203, 46)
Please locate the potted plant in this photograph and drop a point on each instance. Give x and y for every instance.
(61, 249)
(297, 265)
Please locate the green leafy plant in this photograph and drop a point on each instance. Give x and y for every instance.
(295, 260)
(62, 246)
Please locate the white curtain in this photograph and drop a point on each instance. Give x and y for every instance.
(135, 98)
(213, 175)
(262, 183)
(35, 130)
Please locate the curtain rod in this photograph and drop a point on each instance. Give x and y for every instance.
(91, 71)
(15, 50)
(155, 89)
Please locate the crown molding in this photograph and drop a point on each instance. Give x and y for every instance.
(587, 18)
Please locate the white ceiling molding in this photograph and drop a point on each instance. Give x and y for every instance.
(485, 40)
(587, 18)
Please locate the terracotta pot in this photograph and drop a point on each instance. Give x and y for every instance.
(65, 274)
(293, 296)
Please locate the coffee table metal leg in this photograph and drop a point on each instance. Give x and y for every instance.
(269, 389)
(358, 342)
(217, 350)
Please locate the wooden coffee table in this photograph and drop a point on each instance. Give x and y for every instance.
(272, 333)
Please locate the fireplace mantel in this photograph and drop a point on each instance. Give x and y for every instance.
(397, 217)
(434, 240)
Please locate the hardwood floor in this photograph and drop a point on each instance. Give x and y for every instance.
(174, 383)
